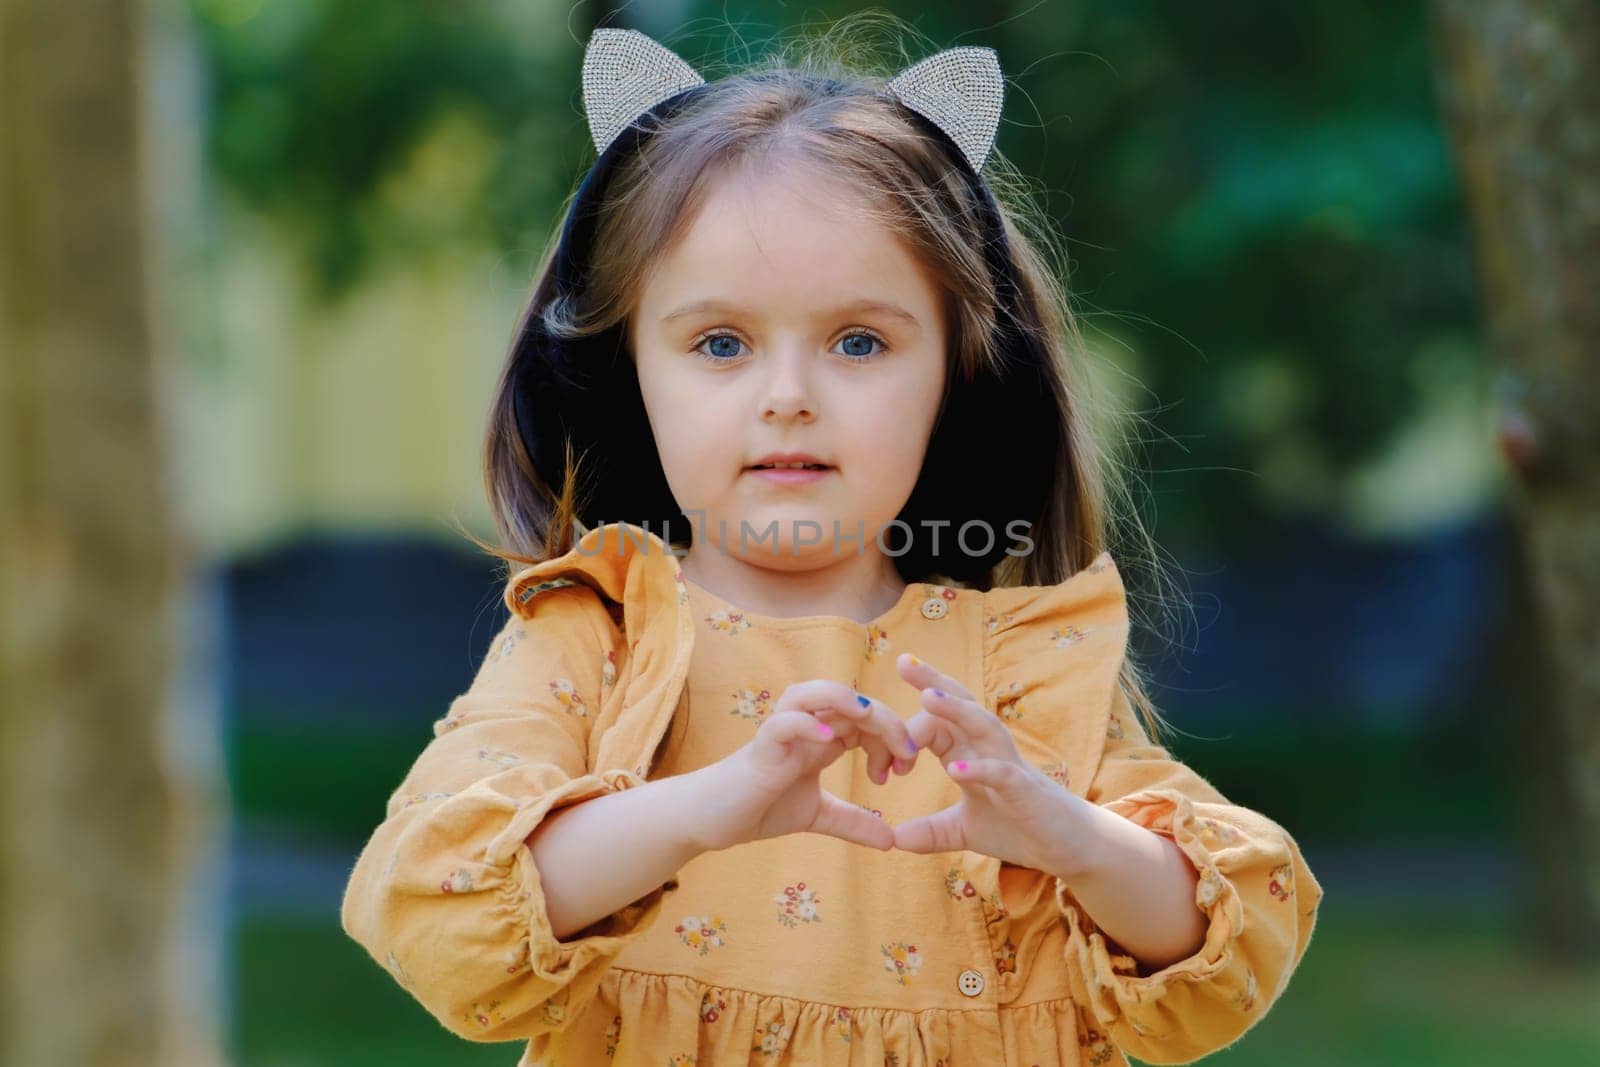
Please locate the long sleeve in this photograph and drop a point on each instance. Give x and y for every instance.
(1258, 894)
(445, 894)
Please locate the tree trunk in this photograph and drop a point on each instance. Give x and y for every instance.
(95, 817)
(1520, 85)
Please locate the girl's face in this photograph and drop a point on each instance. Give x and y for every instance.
(782, 322)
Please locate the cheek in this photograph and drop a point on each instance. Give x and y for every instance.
(890, 425)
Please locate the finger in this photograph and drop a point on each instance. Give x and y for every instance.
(972, 717)
(852, 823)
(891, 727)
(924, 675)
(939, 832)
(1008, 782)
(869, 715)
(852, 735)
(876, 717)
(940, 736)
(785, 728)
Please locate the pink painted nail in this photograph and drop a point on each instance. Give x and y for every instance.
(959, 766)
(825, 730)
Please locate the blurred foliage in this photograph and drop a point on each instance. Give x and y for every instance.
(1266, 186)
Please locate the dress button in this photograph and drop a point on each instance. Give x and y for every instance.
(934, 608)
(970, 983)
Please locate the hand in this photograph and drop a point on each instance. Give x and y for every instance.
(769, 787)
(1009, 809)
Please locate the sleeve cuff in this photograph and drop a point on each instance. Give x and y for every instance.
(573, 966)
(1115, 981)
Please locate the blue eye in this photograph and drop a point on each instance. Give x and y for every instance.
(862, 335)
(722, 356)
(725, 347)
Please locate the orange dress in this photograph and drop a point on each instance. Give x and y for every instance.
(805, 949)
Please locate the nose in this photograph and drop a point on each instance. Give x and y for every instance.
(787, 390)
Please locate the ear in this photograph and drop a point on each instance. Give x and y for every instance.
(625, 74)
(960, 90)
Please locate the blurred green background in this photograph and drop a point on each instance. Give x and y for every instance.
(1268, 245)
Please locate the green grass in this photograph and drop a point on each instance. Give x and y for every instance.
(1404, 985)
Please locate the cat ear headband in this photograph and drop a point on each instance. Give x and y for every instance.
(626, 74)
(584, 393)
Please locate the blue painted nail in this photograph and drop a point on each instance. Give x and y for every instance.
(938, 692)
(865, 702)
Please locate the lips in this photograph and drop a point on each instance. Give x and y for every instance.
(789, 461)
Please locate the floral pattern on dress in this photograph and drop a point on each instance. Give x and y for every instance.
(485, 1015)
(508, 641)
(500, 756)
(702, 932)
(568, 697)
(612, 1034)
(901, 960)
(608, 672)
(422, 798)
(1114, 729)
(797, 904)
(731, 621)
(1063, 636)
(1096, 1044)
(958, 885)
(993, 622)
(1280, 882)
(877, 641)
(1006, 961)
(1246, 997)
(772, 1038)
(712, 1006)
(752, 704)
(1057, 771)
(841, 1024)
(1008, 705)
(457, 881)
(682, 1059)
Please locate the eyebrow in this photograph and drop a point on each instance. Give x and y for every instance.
(882, 307)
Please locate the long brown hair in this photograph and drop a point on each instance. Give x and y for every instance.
(778, 108)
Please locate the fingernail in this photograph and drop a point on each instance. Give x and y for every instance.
(915, 662)
(825, 730)
(865, 702)
(959, 766)
(911, 746)
(938, 692)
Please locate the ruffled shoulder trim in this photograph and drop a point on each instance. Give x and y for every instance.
(1052, 654)
(638, 579)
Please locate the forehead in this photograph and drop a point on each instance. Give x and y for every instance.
(769, 235)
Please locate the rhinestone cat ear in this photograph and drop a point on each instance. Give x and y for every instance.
(960, 90)
(625, 74)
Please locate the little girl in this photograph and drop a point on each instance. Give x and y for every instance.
(812, 735)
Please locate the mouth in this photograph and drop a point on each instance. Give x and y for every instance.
(790, 467)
